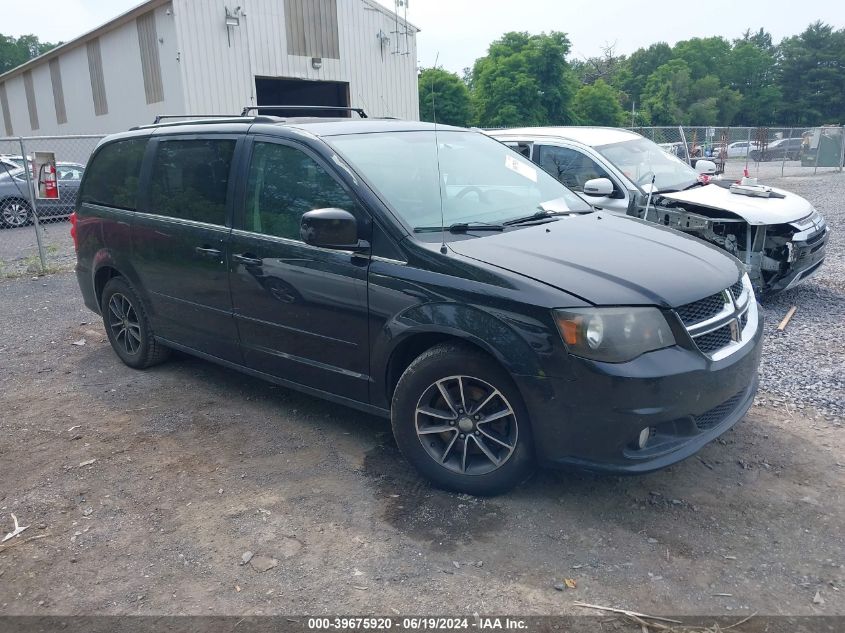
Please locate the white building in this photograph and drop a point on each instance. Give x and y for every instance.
(215, 57)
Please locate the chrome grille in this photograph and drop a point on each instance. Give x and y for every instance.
(736, 290)
(717, 414)
(702, 309)
(717, 324)
(715, 340)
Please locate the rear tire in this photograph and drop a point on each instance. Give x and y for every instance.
(128, 327)
(15, 213)
(460, 420)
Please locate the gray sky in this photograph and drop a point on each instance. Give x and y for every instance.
(461, 30)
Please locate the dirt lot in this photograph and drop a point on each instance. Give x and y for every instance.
(194, 465)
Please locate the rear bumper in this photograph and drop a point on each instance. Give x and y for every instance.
(86, 286)
(592, 421)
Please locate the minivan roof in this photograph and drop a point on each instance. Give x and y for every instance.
(317, 126)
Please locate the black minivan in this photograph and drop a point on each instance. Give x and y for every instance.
(426, 274)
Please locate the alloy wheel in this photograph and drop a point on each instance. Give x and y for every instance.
(124, 323)
(15, 213)
(466, 425)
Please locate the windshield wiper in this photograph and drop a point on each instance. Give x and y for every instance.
(697, 183)
(460, 227)
(541, 215)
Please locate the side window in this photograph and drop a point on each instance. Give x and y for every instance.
(190, 179)
(284, 183)
(112, 177)
(569, 166)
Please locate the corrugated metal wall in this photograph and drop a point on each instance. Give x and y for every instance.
(4, 106)
(58, 91)
(311, 28)
(219, 77)
(98, 82)
(30, 100)
(150, 63)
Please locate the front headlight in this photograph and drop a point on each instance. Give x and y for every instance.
(613, 335)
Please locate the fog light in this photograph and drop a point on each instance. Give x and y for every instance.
(642, 440)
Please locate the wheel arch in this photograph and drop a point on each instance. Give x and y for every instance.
(511, 351)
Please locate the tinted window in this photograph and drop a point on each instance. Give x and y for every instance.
(570, 167)
(190, 179)
(112, 177)
(283, 184)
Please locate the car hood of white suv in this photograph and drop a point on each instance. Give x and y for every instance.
(755, 211)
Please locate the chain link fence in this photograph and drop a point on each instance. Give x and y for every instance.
(766, 152)
(35, 203)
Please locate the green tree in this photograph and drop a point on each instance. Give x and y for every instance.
(446, 94)
(598, 104)
(752, 71)
(524, 80)
(704, 56)
(641, 64)
(666, 92)
(812, 76)
(16, 51)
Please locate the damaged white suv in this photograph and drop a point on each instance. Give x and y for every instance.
(780, 238)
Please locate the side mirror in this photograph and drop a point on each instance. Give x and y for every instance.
(601, 187)
(331, 228)
(706, 167)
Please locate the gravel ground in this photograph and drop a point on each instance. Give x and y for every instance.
(19, 249)
(805, 365)
(146, 488)
(194, 465)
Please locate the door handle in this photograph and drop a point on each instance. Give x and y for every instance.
(208, 252)
(249, 259)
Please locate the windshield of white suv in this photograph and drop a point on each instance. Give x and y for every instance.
(641, 160)
(482, 181)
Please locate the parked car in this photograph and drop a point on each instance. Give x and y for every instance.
(739, 149)
(15, 202)
(491, 314)
(789, 148)
(780, 239)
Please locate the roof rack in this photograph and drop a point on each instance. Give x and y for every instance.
(159, 118)
(322, 108)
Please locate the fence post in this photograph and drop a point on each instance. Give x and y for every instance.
(747, 151)
(684, 141)
(38, 230)
(818, 151)
(785, 152)
(841, 148)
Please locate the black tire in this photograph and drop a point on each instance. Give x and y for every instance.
(128, 327)
(480, 456)
(15, 213)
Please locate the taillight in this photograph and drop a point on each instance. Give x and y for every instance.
(73, 231)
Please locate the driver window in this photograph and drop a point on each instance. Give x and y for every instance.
(570, 167)
(284, 183)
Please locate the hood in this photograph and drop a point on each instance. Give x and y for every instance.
(609, 260)
(755, 211)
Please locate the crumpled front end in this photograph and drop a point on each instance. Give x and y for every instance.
(793, 252)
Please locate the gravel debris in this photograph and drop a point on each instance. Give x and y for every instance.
(804, 366)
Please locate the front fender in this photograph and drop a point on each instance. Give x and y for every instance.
(517, 342)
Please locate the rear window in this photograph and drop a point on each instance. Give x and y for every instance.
(190, 179)
(112, 177)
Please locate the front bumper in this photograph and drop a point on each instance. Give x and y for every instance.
(592, 421)
(807, 256)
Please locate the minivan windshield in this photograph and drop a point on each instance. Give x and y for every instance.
(640, 160)
(482, 181)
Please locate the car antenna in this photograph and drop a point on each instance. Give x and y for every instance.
(437, 154)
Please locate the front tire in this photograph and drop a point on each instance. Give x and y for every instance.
(128, 327)
(460, 420)
(15, 213)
